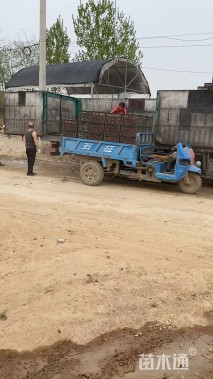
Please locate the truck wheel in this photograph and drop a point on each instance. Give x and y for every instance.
(91, 173)
(190, 184)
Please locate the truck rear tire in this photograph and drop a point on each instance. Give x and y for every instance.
(190, 184)
(91, 173)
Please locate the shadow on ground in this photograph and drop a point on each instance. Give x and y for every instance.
(116, 355)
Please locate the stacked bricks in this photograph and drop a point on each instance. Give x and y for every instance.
(145, 122)
(129, 129)
(52, 149)
(133, 124)
(110, 127)
(83, 126)
(70, 128)
(91, 125)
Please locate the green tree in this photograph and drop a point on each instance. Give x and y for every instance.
(57, 43)
(102, 32)
(15, 55)
(23, 54)
(4, 69)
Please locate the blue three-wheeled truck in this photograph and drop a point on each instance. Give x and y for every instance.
(141, 161)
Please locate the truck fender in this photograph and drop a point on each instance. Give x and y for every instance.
(195, 169)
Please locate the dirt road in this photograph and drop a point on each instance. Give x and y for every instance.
(130, 255)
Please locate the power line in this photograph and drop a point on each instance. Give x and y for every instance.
(174, 35)
(172, 46)
(171, 36)
(187, 40)
(183, 71)
(6, 48)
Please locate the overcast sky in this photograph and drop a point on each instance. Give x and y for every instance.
(152, 18)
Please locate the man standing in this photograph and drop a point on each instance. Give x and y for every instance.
(31, 144)
(2, 127)
(120, 109)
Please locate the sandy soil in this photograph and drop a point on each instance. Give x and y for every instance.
(133, 254)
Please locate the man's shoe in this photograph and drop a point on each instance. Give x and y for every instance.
(31, 174)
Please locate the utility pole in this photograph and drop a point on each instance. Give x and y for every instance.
(115, 18)
(42, 47)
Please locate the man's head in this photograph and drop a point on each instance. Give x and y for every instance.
(30, 125)
(121, 105)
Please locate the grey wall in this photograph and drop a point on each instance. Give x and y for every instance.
(99, 105)
(17, 117)
(185, 116)
(150, 105)
(106, 104)
(59, 110)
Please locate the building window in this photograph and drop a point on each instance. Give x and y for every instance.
(22, 99)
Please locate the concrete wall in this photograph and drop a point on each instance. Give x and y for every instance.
(22, 107)
(150, 105)
(106, 105)
(59, 110)
(99, 105)
(16, 116)
(185, 116)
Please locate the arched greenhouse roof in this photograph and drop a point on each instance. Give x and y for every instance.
(109, 76)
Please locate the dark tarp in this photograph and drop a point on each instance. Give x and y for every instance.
(109, 76)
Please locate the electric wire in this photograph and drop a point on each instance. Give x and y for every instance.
(181, 71)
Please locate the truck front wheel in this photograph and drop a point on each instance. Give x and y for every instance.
(91, 173)
(191, 183)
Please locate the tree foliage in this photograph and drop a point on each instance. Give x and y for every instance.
(104, 32)
(24, 53)
(20, 53)
(4, 69)
(57, 43)
(15, 55)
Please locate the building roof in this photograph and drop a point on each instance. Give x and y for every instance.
(109, 76)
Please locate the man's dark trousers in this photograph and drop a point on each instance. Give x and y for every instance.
(31, 155)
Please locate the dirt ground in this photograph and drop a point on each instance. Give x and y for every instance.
(92, 277)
